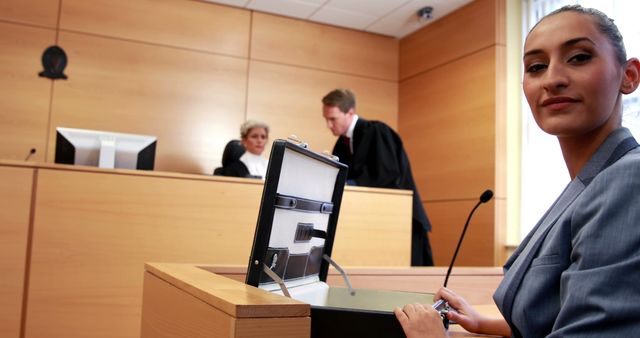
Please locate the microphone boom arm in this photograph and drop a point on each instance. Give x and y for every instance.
(455, 254)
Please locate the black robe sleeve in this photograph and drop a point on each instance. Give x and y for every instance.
(379, 160)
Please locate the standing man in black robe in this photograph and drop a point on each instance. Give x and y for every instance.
(376, 158)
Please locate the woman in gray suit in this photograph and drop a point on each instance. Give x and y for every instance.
(577, 273)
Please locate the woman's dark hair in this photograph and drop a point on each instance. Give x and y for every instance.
(604, 24)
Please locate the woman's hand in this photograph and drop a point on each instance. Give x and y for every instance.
(471, 320)
(461, 312)
(420, 320)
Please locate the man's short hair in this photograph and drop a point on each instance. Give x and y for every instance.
(344, 99)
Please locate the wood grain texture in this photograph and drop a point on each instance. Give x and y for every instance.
(475, 284)
(373, 229)
(94, 229)
(15, 197)
(447, 220)
(25, 97)
(317, 46)
(186, 24)
(169, 311)
(238, 301)
(289, 100)
(33, 12)
(501, 122)
(448, 124)
(164, 305)
(193, 102)
(463, 32)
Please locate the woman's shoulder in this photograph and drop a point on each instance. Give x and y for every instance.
(620, 178)
(626, 165)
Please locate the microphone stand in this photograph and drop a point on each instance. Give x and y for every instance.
(455, 253)
(441, 305)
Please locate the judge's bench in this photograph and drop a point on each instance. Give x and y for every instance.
(74, 242)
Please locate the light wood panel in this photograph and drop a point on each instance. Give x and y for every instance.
(447, 220)
(379, 225)
(223, 293)
(289, 100)
(302, 43)
(24, 98)
(475, 284)
(34, 12)
(94, 228)
(447, 121)
(193, 102)
(501, 249)
(93, 231)
(15, 198)
(165, 305)
(465, 31)
(187, 24)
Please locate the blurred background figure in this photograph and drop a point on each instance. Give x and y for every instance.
(243, 158)
(254, 136)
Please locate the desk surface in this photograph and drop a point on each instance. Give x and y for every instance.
(227, 297)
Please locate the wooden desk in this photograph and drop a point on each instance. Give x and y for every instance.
(78, 238)
(190, 300)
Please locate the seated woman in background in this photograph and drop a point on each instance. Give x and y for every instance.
(254, 136)
(576, 274)
(243, 158)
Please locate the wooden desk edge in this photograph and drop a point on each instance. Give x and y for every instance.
(228, 295)
(166, 174)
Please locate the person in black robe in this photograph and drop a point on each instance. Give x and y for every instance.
(376, 158)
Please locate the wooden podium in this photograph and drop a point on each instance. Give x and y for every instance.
(189, 300)
(182, 300)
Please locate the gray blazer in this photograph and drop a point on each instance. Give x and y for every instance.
(577, 274)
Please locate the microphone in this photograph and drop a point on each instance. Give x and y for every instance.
(31, 152)
(441, 305)
(484, 198)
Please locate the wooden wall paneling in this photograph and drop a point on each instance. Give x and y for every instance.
(93, 231)
(501, 251)
(501, 121)
(193, 101)
(317, 46)
(33, 12)
(289, 100)
(25, 97)
(447, 121)
(15, 198)
(447, 220)
(479, 243)
(444, 40)
(502, 157)
(186, 24)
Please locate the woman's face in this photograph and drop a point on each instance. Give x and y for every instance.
(255, 140)
(572, 80)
